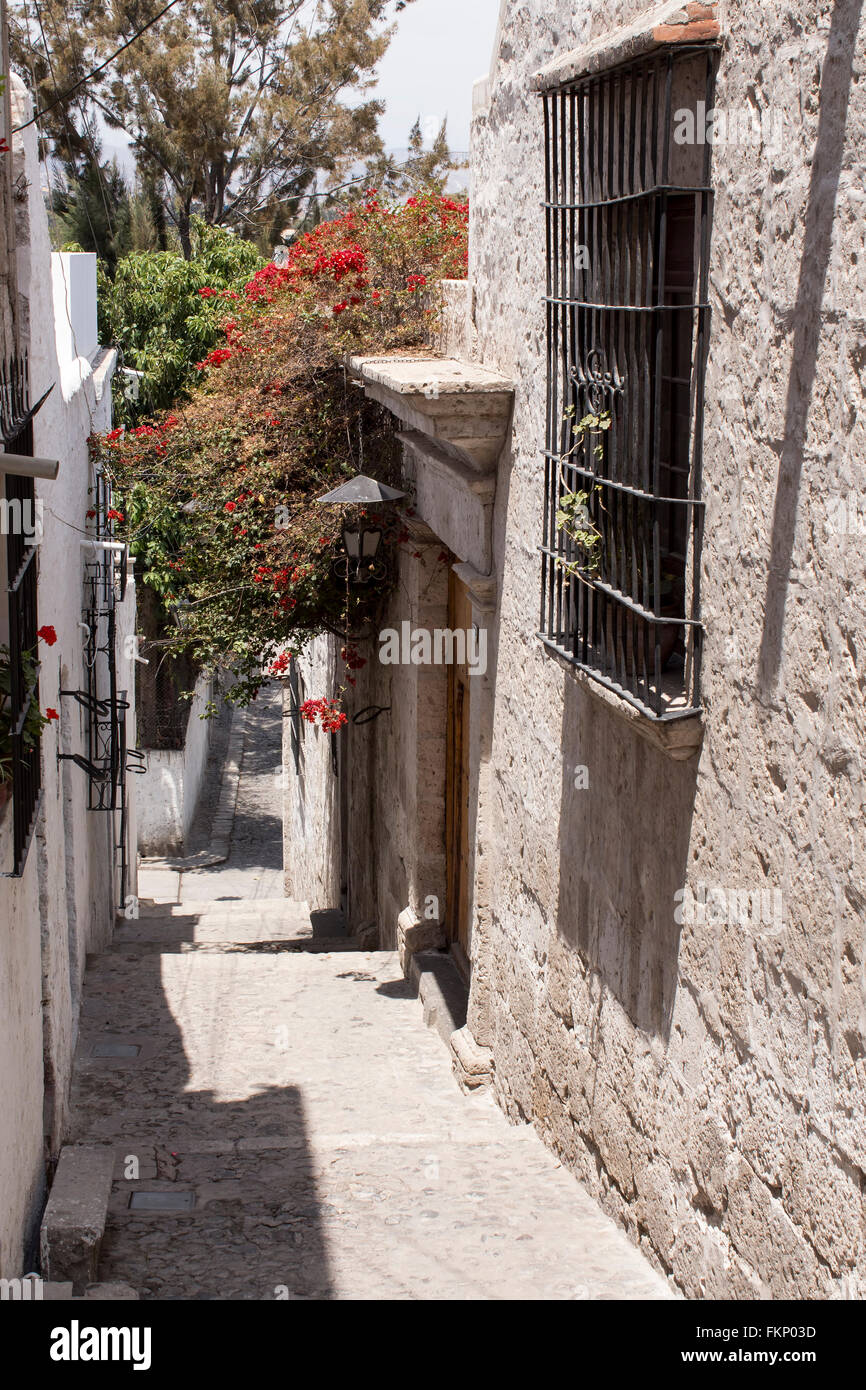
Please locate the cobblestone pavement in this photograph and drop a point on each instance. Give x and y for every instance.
(286, 1086)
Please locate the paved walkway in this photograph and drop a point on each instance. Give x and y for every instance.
(285, 1086)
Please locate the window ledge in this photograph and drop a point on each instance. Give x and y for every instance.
(671, 23)
(464, 407)
(680, 739)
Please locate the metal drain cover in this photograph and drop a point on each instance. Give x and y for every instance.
(111, 1049)
(162, 1201)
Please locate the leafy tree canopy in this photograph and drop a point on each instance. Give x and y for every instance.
(165, 312)
(234, 108)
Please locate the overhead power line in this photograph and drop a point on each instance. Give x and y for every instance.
(64, 96)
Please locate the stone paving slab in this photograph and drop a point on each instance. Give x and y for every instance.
(239, 1055)
(314, 1118)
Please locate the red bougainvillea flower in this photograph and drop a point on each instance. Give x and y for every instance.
(48, 635)
(91, 514)
(214, 359)
(327, 713)
(280, 663)
(114, 515)
(206, 292)
(114, 435)
(231, 506)
(51, 714)
(416, 282)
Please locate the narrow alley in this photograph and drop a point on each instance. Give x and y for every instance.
(283, 1123)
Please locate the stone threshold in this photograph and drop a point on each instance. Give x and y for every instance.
(440, 980)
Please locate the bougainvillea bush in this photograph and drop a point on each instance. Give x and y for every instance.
(217, 497)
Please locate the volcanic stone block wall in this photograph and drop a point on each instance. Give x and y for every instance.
(674, 982)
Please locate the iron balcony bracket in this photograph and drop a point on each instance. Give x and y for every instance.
(96, 774)
(94, 706)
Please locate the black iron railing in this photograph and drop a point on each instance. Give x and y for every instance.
(628, 214)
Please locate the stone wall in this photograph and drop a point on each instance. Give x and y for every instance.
(311, 787)
(365, 820)
(707, 1079)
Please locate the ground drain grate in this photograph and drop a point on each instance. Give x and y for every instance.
(162, 1201)
(110, 1049)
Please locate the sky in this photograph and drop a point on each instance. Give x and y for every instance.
(440, 48)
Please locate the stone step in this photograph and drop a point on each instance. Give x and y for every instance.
(177, 929)
(217, 907)
(74, 1220)
(316, 944)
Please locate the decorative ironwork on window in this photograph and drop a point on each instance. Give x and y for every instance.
(628, 214)
(16, 427)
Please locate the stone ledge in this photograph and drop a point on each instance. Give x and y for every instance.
(671, 23)
(466, 408)
(471, 1063)
(482, 588)
(442, 991)
(74, 1219)
(680, 739)
(413, 935)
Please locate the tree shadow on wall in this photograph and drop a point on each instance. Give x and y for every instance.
(623, 853)
(833, 100)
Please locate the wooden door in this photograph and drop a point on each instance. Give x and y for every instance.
(457, 917)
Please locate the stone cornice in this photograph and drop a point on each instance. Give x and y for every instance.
(465, 408)
(670, 24)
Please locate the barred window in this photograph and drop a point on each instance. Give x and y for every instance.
(19, 691)
(628, 214)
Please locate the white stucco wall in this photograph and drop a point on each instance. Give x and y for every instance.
(63, 906)
(167, 794)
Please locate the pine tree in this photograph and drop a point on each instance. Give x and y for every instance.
(232, 107)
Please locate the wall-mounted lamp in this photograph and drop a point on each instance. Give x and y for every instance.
(361, 543)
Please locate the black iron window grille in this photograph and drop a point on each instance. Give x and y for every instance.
(107, 759)
(628, 216)
(25, 751)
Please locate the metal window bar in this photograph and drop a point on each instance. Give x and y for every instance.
(25, 750)
(105, 706)
(628, 214)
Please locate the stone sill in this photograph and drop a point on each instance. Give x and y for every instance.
(465, 408)
(421, 375)
(679, 739)
(670, 24)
